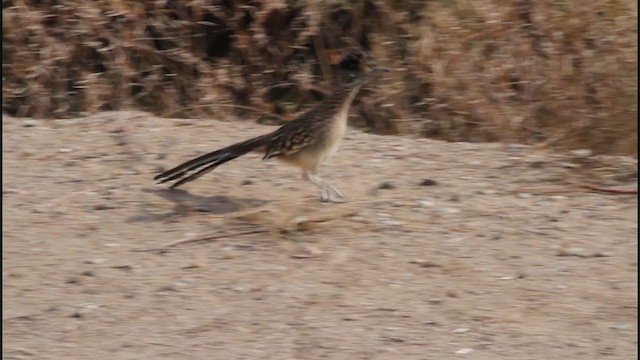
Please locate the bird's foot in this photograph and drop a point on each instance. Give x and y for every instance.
(331, 194)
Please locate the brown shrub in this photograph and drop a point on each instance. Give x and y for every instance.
(529, 71)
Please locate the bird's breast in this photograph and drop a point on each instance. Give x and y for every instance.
(337, 131)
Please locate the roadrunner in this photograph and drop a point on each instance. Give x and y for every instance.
(305, 141)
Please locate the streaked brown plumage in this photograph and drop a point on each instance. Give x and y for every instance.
(303, 142)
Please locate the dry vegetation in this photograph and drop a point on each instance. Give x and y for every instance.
(533, 71)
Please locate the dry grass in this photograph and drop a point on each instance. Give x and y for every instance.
(530, 71)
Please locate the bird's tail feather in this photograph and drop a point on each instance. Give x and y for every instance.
(201, 165)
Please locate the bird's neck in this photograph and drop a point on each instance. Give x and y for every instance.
(347, 93)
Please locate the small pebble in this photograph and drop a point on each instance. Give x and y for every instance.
(487, 192)
(572, 251)
(246, 182)
(428, 182)
(581, 253)
(29, 152)
(620, 326)
(306, 252)
(182, 283)
(568, 165)
(427, 202)
(30, 123)
(104, 207)
(435, 301)
(601, 254)
(167, 288)
(387, 185)
(558, 197)
(464, 351)
(80, 313)
(73, 280)
(460, 331)
(425, 263)
(95, 261)
(391, 222)
(452, 294)
(125, 268)
(449, 210)
(394, 339)
(582, 153)
(89, 273)
(77, 315)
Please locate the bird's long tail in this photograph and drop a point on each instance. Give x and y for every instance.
(201, 165)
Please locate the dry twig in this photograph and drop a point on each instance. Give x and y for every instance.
(202, 238)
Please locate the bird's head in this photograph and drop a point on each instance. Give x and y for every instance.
(356, 65)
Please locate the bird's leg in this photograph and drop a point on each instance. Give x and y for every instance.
(328, 192)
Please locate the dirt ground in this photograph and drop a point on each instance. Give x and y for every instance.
(444, 250)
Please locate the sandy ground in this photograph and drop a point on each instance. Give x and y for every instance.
(444, 251)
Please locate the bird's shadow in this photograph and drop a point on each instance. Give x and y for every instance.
(186, 203)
